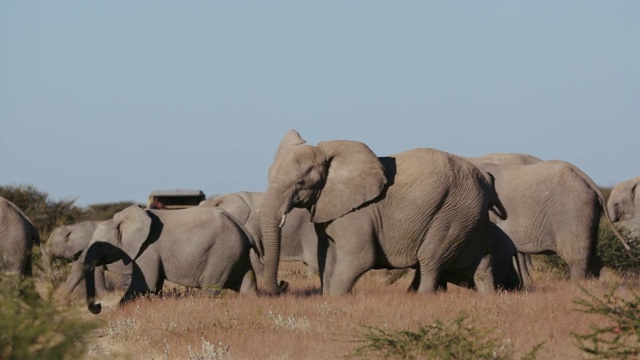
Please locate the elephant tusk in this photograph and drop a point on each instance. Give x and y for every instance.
(284, 216)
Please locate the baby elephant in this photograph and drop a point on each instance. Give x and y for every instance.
(68, 242)
(202, 247)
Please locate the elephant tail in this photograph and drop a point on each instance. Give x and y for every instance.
(607, 217)
(605, 210)
(495, 205)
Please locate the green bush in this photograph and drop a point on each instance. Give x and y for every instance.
(610, 252)
(458, 339)
(613, 254)
(619, 337)
(46, 214)
(34, 328)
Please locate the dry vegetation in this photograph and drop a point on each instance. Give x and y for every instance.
(304, 325)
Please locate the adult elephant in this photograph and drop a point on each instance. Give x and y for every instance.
(423, 208)
(298, 241)
(554, 208)
(17, 237)
(624, 200)
(202, 247)
(68, 242)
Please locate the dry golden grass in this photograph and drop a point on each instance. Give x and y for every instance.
(304, 325)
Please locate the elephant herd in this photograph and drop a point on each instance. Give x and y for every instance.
(343, 210)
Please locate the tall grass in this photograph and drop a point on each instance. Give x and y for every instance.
(302, 324)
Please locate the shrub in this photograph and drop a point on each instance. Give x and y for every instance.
(33, 328)
(455, 340)
(46, 214)
(611, 251)
(620, 337)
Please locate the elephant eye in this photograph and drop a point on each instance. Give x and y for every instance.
(118, 232)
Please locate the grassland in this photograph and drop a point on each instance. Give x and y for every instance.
(302, 324)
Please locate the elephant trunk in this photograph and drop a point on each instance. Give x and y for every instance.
(46, 260)
(272, 216)
(90, 263)
(613, 211)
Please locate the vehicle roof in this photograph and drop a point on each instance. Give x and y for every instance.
(177, 192)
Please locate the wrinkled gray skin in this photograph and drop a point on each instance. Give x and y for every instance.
(553, 208)
(299, 240)
(422, 208)
(201, 247)
(624, 200)
(68, 242)
(506, 272)
(17, 237)
(632, 226)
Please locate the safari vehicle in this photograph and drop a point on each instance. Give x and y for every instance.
(174, 199)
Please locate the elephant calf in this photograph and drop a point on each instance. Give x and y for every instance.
(299, 239)
(68, 242)
(202, 247)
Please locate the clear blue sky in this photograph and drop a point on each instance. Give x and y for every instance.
(105, 101)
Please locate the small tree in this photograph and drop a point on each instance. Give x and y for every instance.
(458, 339)
(35, 328)
(619, 336)
(46, 214)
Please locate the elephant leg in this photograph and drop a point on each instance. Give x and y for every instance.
(339, 276)
(431, 262)
(483, 276)
(525, 276)
(256, 263)
(248, 285)
(413, 287)
(395, 275)
(427, 280)
(441, 284)
(347, 260)
(577, 269)
(142, 283)
(101, 283)
(76, 275)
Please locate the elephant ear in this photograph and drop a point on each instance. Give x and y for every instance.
(134, 225)
(291, 138)
(234, 204)
(355, 175)
(75, 243)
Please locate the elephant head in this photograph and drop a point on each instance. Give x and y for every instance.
(624, 201)
(330, 180)
(118, 239)
(68, 241)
